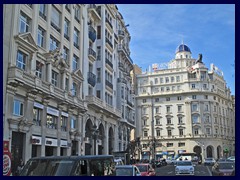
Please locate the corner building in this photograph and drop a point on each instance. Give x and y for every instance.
(185, 107)
(66, 85)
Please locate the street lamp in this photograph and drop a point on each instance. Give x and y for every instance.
(95, 132)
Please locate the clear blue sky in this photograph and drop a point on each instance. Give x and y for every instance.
(157, 29)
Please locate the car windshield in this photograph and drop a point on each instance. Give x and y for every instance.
(184, 163)
(209, 159)
(123, 172)
(142, 168)
(226, 165)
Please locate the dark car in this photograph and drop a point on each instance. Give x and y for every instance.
(223, 168)
(146, 169)
(127, 170)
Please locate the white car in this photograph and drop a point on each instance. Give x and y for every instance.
(184, 168)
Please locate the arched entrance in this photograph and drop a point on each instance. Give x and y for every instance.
(110, 140)
(198, 151)
(88, 135)
(101, 139)
(209, 151)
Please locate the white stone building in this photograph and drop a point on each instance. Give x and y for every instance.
(66, 85)
(185, 107)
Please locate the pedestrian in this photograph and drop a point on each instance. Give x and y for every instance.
(20, 167)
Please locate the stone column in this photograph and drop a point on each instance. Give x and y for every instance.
(105, 145)
(43, 126)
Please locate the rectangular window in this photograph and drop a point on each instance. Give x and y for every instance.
(195, 119)
(157, 110)
(157, 121)
(24, 22)
(181, 144)
(156, 99)
(194, 107)
(42, 11)
(193, 86)
(65, 54)
(204, 86)
(99, 94)
(53, 43)
(145, 133)
(169, 144)
(21, 60)
(41, 34)
(167, 89)
(98, 75)
(180, 120)
(51, 121)
(156, 80)
(206, 107)
(66, 28)
(169, 121)
(66, 84)
(64, 123)
(144, 100)
(37, 113)
(167, 98)
(161, 80)
(99, 32)
(77, 14)
(205, 96)
(17, 108)
(55, 19)
(208, 131)
(179, 108)
(196, 131)
(172, 79)
(39, 69)
(180, 132)
(194, 97)
(178, 78)
(158, 133)
(74, 89)
(73, 122)
(76, 38)
(68, 7)
(166, 79)
(74, 62)
(54, 78)
(169, 132)
(179, 98)
(168, 109)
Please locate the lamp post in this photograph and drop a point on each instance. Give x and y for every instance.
(95, 132)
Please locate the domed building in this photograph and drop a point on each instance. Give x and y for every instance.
(185, 107)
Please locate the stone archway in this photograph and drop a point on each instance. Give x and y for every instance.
(209, 151)
(110, 140)
(88, 137)
(101, 139)
(198, 151)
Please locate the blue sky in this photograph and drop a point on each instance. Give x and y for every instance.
(157, 29)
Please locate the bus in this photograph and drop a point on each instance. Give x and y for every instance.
(89, 165)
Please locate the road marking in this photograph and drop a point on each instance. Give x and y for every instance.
(209, 171)
(170, 172)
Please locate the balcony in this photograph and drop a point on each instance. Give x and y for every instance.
(109, 84)
(91, 79)
(92, 33)
(123, 50)
(109, 63)
(120, 65)
(92, 54)
(109, 24)
(109, 44)
(100, 105)
(93, 9)
(121, 33)
(122, 80)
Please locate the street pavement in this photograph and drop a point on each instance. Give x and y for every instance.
(169, 170)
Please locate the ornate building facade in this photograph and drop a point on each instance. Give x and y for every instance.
(67, 85)
(185, 107)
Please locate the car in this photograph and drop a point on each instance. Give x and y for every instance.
(223, 168)
(209, 161)
(231, 158)
(146, 169)
(184, 168)
(118, 162)
(127, 170)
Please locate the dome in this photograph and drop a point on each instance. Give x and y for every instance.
(182, 48)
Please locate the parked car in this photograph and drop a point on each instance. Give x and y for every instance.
(118, 162)
(231, 158)
(209, 161)
(146, 169)
(223, 168)
(89, 165)
(184, 168)
(127, 170)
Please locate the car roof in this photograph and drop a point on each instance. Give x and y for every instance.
(125, 166)
(72, 157)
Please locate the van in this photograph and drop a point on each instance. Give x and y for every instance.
(89, 165)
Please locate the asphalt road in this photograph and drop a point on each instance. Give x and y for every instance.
(169, 170)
